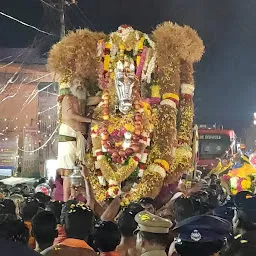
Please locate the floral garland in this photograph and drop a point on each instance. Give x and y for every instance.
(123, 139)
(156, 63)
(238, 184)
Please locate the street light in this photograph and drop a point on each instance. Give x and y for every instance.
(254, 118)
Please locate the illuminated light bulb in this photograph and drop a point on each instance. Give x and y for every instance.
(6, 138)
(26, 116)
(5, 119)
(6, 128)
(38, 131)
(49, 117)
(16, 118)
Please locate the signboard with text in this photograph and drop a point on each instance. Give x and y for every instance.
(9, 153)
(210, 137)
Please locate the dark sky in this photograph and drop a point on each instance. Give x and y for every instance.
(225, 78)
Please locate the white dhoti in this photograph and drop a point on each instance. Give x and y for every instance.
(70, 151)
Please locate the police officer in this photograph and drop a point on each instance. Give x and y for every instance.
(202, 235)
(152, 234)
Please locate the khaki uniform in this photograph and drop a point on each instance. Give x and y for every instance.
(151, 223)
(148, 222)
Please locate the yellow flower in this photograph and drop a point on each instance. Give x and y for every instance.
(106, 62)
(145, 217)
(163, 163)
(108, 45)
(129, 127)
(140, 43)
(117, 144)
(138, 60)
(111, 128)
(121, 47)
(95, 128)
(246, 184)
(125, 202)
(155, 91)
(146, 108)
(171, 95)
(234, 191)
(112, 75)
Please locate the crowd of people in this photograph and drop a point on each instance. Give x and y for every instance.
(194, 218)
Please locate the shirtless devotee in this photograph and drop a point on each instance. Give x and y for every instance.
(73, 130)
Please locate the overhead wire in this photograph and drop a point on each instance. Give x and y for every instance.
(51, 6)
(45, 143)
(13, 95)
(26, 24)
(15, 76)
(79, 16)
(85, 16)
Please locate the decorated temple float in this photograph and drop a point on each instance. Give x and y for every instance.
(147, 85)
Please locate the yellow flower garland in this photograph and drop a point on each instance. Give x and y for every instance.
(121, 174)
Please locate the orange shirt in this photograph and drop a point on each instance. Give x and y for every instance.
(61, 235)
(31, 241)
(76, 243)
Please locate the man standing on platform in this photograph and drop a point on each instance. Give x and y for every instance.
(73, 130)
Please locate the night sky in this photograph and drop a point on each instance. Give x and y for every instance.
(225, 78)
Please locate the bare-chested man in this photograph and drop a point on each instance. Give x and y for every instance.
(73, 130)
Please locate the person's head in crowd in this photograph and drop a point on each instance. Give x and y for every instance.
(42, 199)
(10, 248)
(26, 190)
(29, 209)
(213, 178)
(13, 229)
(152, 233)
(17, 199)
(65, 208)
(106, 236)
(242, 245)
(16, 190)
(126, 222)
(148, 204)
(127, 226)
(226, 212)
(184, 208)
(41, 181)
(78, 221)
(54, 207)
(44, 229)
(202, 235)
(245, 203)
(7, 206)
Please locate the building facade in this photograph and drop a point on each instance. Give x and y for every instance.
(28, 111)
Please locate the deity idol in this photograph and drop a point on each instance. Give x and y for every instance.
(146, 109)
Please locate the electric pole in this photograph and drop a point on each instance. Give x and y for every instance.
(62, 19)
